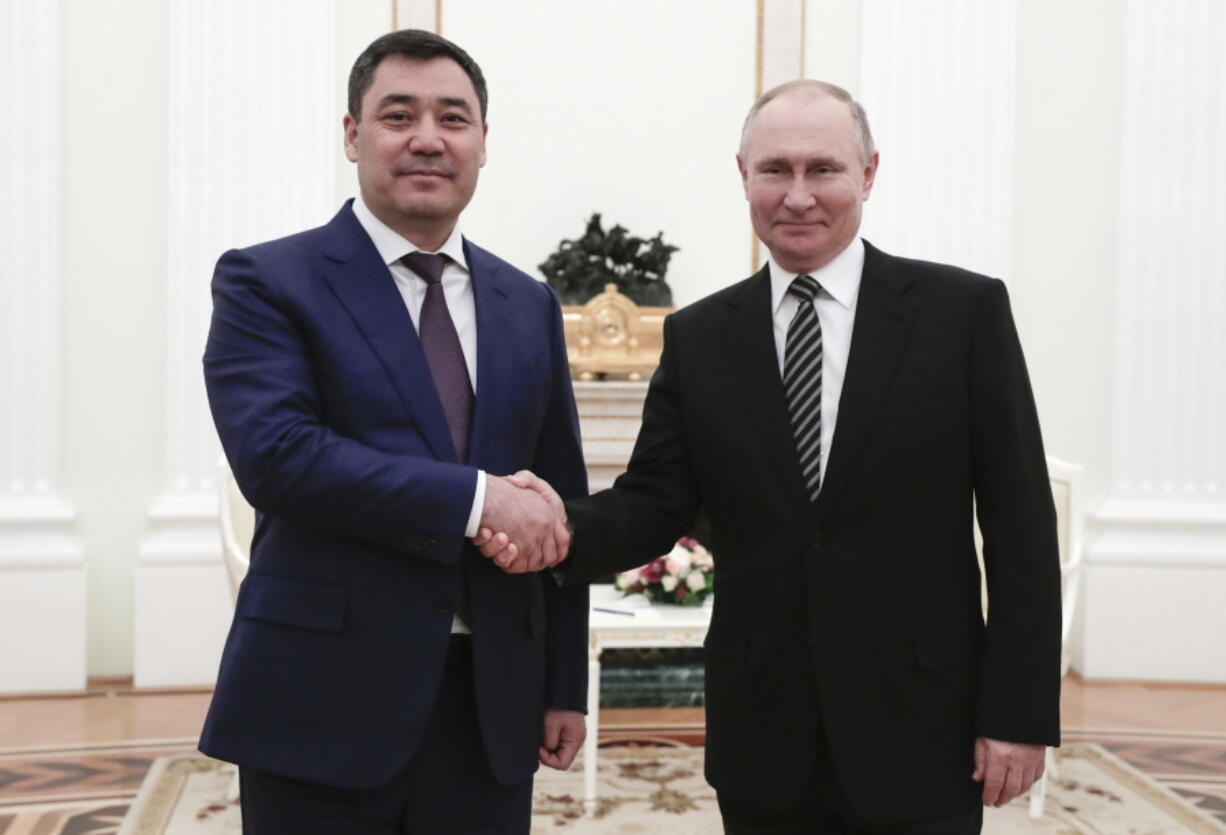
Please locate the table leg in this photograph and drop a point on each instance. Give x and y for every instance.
(592, 744)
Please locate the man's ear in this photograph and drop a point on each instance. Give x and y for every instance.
(870, 174)
(740, 164)
(351, 138)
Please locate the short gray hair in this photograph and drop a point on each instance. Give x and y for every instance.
(859, 119)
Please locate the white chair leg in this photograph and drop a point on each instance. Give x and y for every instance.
(1038, 792)
(1038, 796)
(232, 793)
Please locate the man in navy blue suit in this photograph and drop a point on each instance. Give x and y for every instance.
(371, 380)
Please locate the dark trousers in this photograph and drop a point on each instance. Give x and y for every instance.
(826, 811)
(447, 788)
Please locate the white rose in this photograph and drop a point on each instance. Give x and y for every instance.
(669, 582)
(697, 581)
(678, 561)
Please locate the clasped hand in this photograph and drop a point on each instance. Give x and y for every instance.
(523, 524)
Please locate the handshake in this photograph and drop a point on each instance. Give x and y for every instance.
(523, 524)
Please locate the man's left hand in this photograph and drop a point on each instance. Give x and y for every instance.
(565, 731)
(1006, 769)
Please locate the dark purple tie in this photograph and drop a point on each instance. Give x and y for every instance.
(443, 352)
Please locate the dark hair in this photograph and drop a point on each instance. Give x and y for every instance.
(416, 45)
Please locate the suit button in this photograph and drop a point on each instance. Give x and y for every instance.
(817, 539)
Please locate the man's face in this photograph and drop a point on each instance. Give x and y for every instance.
(420, 143)
(804, 179)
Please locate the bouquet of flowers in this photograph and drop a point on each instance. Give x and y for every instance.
(684, 576)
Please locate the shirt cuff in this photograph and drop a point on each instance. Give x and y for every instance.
(474, 516)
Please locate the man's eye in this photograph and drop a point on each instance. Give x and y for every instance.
(454, 118)
(396, 117)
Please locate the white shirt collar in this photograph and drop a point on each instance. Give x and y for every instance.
(840, 278)
(393, 246)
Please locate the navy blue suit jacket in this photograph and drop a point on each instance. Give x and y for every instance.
(330, 421)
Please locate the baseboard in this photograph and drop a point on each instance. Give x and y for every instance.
(42, 597)
(182, 598)
(1154, 579)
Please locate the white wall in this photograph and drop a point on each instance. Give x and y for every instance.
(627, 107)
(632, 109)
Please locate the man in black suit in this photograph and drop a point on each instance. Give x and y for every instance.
(842, 415)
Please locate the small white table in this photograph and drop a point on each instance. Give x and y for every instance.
(656, 625)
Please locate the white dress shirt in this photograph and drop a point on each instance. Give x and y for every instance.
(457, 290)
(836, 310)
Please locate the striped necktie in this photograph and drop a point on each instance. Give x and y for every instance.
(802, 381)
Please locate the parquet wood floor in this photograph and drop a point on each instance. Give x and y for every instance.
(117, 714)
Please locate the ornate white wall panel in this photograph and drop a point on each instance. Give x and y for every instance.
(783, 41)
(1166, 513)
(937, 80)
(416, 14)
(253, 137)
(42, 569)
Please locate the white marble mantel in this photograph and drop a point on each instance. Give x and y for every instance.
(610, 413)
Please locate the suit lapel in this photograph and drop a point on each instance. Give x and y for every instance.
(495, 356)
(884, 316)
(364, 285)
(750, 341)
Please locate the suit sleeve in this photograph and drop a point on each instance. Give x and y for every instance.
(650, 505)
(287, 460)
(559, 460)
(1019, 687)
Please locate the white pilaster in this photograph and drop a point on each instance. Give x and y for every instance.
(417, 14)
(253, 136)
(783, 41)
(1157, 571)
(42, 567)
(937, 80)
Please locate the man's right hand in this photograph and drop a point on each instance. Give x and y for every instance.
(523, 523)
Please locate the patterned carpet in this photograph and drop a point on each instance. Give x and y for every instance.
(1193, 765)
(86, 790)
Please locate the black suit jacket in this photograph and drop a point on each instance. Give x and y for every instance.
(857, 617)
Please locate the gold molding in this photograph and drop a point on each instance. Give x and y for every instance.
(759, 36)
(804, 30)
(612, 337)
(438, 16)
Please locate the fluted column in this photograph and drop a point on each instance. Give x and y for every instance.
(254, 131)
(1158, 567)
(42, 569)
(937, 80)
